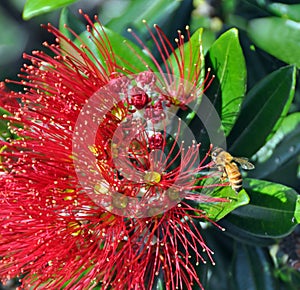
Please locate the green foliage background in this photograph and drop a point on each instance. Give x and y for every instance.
(253, 49)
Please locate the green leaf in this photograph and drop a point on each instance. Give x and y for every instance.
(214, 277)
(290, 11)
(264, 108)
(7, 128)
(228, 64)
(69, 19)
(242, 235)
(277, 36)
(157, 9)
(33, 8)
(283, 164)
(4, 130)
(208, 38)
(282, 151)
(193, 63)
(252, 269)
(290, 277)
(209, 33)
(217, 210)
(136, 12)
(127, 54)
(288, 125)
(159, 283)
(273, 211)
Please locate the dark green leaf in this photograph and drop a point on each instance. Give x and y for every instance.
(214, 277)
(282, 150)
(277, 36)
(288, 125)
(273, 211)
(218, 210)
(242, 235)
(159, 283)
(264, 108)
(127, 54)
(290, 11)
(282, 166)
(228, 64)
(251, 269)
(36, 7)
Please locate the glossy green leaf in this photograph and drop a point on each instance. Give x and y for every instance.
(228, 65)
(208, 39)
(288, 125)
(158, 8)
(193, 63)
(138, 10)
(72, 21)
(282, 165)
(209, 30)
(36, 7)
(217, 210)
(290, 11)
(242, 234)
(252, 269)
(277, 36)
(273, 211)
(265, 106)
(127, 54)
(279, 159)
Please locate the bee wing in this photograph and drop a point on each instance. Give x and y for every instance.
(243, 161)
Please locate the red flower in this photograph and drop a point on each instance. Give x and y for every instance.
(7, 101)
(96, 187)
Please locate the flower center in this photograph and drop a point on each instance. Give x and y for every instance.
(120, 201)
(140, 100)
(152, 177)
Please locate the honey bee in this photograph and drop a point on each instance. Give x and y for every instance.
(228, 165)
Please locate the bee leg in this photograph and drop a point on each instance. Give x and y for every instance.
(224, 175)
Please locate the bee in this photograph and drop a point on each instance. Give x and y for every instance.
(228, 165)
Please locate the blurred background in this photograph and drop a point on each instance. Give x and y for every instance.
(21, 35)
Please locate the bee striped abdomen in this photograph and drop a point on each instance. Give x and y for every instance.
(234, 176)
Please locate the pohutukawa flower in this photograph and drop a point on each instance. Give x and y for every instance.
(96, 187)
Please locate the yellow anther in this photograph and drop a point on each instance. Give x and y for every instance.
(75, 228)
(152, 177)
